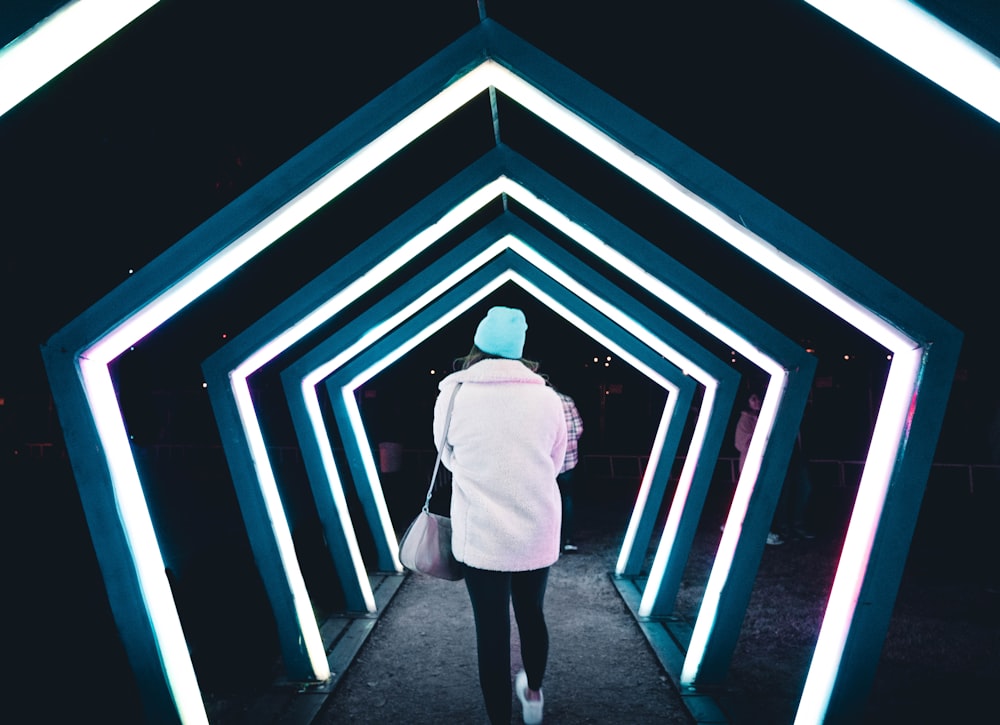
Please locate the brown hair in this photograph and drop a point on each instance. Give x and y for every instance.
(476, 355)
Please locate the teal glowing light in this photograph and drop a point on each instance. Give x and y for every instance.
(489, 58)
(686, 289)
(41, 53)
(301, 378)
(343, 383)
(917, 38)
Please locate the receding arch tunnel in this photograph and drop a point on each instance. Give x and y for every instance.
(78, 356)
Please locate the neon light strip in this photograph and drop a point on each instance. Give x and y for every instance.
(340, 502)
(357, 425)
(937, 51)
(354, 413)
(286, 218)
(687, 307)
(884, 448)
(668, 410)
(708, 612)
(157, 598)
(279, 527)
(456, 94)
(705, 214)
(309, 382)
(640, 333)
(674, 514)
(519, 246)
(40, 54)
(872, 491)
(163, 306)
(311, 379)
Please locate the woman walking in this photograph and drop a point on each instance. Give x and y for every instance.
(506, 443)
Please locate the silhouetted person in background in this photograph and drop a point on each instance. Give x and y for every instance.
(745, 426)
(567, 475)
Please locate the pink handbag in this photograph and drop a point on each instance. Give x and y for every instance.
(426, 545)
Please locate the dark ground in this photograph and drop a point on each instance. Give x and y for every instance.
(940, 662)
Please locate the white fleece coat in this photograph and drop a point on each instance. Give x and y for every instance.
(506, 442)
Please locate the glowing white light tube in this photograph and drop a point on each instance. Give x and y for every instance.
(157, 598)
(656, 450)
(571, 229)
(40, 54)
(642, 495)
(937, 51)
(354, 413)
(348, 388)
(304, 614)
(890, 428)
(103, 403)
(705, 214)
(677, 509)
(286, 218)
(366, 159)
(708, 612)
(314, 377)
(309, 382)
(312, 405)
(803, 279)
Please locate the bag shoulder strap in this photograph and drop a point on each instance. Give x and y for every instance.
(441, 445)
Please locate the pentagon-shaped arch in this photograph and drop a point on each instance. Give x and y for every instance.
(753, 503)
(510, 267)
(909, 419)
(300, 378)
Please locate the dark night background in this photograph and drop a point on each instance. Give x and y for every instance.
(120, 156)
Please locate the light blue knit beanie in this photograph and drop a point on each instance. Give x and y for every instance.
(501, 332)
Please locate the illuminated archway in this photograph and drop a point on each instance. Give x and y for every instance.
(531, 248)
(509, 267)
(759, 485)
(924, 351)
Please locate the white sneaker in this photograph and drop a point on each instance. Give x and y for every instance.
(531, 710)
(774, 539)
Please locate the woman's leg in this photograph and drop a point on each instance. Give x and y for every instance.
(528, 594)
(489, 592)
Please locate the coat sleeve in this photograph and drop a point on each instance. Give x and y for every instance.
(561, 439)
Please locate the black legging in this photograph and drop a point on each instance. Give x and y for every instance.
(491, 593)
